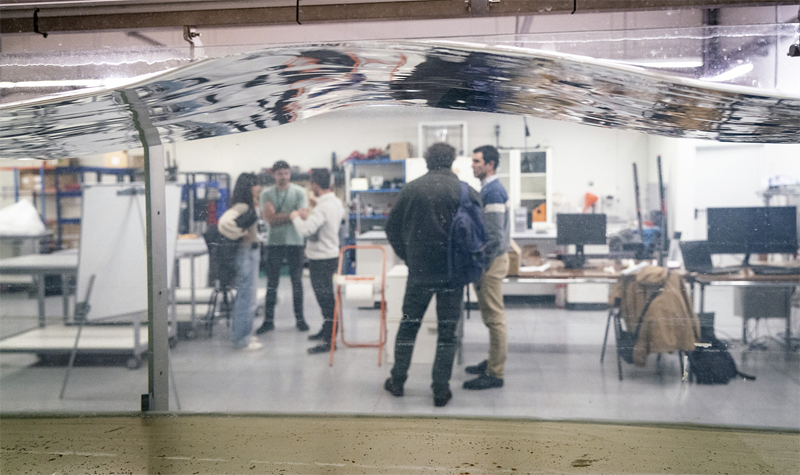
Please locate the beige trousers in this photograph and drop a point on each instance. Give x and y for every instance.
(493, 312)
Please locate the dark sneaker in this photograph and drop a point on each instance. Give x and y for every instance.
(321, 348)
(479, 368)
(302, 325)
(266, 327)
(441, 398)
(483, 381)
(395, 389)
(317, 336)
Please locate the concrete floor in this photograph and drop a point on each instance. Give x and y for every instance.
(553, 373)
(192, 444)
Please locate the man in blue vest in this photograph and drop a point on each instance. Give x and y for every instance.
(490, 292)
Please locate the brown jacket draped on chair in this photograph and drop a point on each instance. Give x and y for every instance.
(670, 323)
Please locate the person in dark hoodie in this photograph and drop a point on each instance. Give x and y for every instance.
(418, 229)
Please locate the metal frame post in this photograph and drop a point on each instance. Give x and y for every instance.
(157, 285)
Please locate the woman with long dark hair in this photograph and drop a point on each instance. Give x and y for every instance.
(239, 223)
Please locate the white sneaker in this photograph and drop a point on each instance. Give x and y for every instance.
(254, 345)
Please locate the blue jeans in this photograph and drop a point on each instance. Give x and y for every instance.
(244, 308)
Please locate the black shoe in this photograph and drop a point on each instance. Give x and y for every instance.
(479, 368)
(266, 327)
(483, 381)
(317, 336)
(441, 398)
(321, 348)
(392, 387)
(302, 325)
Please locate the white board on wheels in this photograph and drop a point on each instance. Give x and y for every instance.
(113, 247)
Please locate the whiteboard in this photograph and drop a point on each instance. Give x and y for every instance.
(113, 248)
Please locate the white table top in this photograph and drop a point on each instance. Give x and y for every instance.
(62, 338)
(191, 247)
(372, 236)
(39, 263)
(531, 234)
(27, 236)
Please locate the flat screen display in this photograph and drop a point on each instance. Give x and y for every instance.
(762, 230)
(580, 229)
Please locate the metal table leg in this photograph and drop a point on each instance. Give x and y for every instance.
(40, 297)
(65, 295)
(702, 297)
(191, 284)
(788, 334)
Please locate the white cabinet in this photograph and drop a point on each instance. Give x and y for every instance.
(525, 175)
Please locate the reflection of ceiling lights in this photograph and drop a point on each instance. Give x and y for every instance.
(734, 73)
(666, 63)
(64, 83)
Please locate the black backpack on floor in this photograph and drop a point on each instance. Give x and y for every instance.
(713, 364)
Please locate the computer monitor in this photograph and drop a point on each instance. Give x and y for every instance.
(580, 229)
(762, 230)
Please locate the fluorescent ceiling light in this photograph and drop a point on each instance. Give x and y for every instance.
(64, 83)
(740, 70)
(666, 63)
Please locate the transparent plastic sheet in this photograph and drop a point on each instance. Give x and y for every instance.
(274, 86)
(753, 56)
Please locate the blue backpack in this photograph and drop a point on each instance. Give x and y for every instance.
(467, 243)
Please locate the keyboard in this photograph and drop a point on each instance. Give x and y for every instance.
(775, 270)
(715, 270)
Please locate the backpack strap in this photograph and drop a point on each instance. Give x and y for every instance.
(745, 376)
(655, 294)
(464, 194)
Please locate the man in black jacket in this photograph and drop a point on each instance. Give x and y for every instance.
(419, 230)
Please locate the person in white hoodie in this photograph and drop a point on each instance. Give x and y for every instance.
(239, 223)
(320, 227)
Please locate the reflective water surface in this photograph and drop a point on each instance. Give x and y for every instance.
(275, 86)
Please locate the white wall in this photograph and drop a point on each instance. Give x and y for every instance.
(731, 174)
(585, 159)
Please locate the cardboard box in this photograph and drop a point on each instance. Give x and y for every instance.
(67, 162)
(71, 235)
(29, 181)
(530, 256)
(514, 257)
(116, 160)
(136, 161)
(399, 150)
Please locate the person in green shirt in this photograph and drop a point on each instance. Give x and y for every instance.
(286, 245)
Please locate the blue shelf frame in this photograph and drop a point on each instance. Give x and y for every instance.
(380, 161)
(384, 162)
(375, 216)
(382, 190)
(81, 171)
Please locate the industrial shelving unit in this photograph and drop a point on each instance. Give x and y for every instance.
(370, 207)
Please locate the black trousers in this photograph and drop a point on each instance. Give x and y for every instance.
(277, 257)
(449, 304)
(322, 271)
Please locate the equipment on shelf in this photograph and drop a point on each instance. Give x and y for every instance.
(205, 198)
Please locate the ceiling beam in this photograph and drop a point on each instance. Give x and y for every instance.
(127, 16)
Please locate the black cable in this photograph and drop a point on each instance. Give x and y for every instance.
(297, 13)
(574, 6)
(36, 23)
